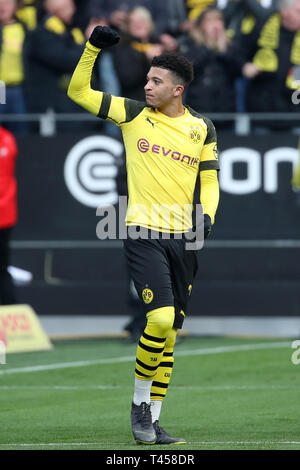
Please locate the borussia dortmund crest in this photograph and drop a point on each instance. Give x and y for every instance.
(147, 296)
(215, 150)
(195, 135)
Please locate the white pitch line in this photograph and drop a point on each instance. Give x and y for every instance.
(101, 444)
(240, 347)
(117, 360)
(60, 444)
(66, 365)
(62, 387)
(245, 443)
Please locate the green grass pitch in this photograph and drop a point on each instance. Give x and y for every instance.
(225, 393)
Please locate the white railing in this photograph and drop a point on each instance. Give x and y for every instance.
(242, 121)
(118, 244)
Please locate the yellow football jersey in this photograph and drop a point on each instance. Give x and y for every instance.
(164, 155)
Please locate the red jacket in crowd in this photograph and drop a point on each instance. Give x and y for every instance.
(8, 183)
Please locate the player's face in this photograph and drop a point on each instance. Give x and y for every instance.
(160, 89)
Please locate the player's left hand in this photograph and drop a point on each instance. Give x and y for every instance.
(207, 225)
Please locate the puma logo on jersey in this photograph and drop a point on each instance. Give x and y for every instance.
(152, 123)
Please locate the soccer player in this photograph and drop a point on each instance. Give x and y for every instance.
(167, 146)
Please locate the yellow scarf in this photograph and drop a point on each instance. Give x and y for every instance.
(266, 58)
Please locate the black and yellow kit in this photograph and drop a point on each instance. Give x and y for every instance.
(164, 157)
(163, 272)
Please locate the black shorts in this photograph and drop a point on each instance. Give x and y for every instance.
(163, 272)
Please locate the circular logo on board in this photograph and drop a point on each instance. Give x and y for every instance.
(91, 168)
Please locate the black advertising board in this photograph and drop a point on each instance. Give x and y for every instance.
(63, 179)
(257, 200)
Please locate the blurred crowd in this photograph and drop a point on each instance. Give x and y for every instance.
(246, 53)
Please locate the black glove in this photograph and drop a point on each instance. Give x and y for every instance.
(207, 225)
(201, 230)
(103, 36)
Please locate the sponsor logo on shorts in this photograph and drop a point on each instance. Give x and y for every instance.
(147, 296)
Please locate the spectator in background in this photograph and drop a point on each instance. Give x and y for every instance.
(52, 50)
(8, 211)
(216, 64)
(238, 16)
(238, 13)
(272, 60)
(234, 11)
(13, 34)
(135, 52)
(115, 12)
(32, 12)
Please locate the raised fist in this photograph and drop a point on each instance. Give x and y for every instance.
(104, 36)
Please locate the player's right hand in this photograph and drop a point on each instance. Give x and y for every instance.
(103, 36)
(207, 225)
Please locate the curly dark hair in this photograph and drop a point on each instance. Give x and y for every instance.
(179, 65)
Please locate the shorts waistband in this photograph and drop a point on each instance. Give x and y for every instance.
(147, 233)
